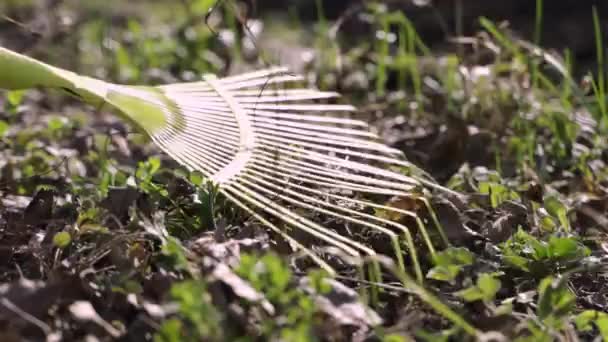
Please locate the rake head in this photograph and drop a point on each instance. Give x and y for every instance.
(276, 152)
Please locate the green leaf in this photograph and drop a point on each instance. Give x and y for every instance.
(548, 224)
(529, 254)
(62, 240)
(318, 281)
(485, 289)
(567, 248)
(470, 294)
(202, 6)
(4, 126)
(506, 308)
(196, 178)
(57, 126)
(449, 263)
(56, 123)
(174, 250)
(454, 256)
(154, 164)
(498, 193)
(517, 261)
(170, 331)
(488, 285)
(584, 322)
(522, 249)
(196, 307)
(554, 301)
(393, 338)
(15, 97)
(558, 210)
(602, 325)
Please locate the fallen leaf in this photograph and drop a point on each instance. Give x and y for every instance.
(342, 304)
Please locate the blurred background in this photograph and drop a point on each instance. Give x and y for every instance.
(166, 39)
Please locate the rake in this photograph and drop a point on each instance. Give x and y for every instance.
(273, 150)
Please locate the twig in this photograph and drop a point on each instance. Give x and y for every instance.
(26, 316)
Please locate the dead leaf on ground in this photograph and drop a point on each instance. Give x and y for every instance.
(342, 303)
(40, 209)
(119, 200)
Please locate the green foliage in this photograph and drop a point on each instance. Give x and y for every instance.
(409, 46)
(393, 338)
(498, 193)
(541, 258)
(271, 276)
(485, 289)
(196, 178)
(143, 47)
(585, 320)
(201, 320)
(563, 130)
(449, 263)
(145, 174)
(327, 48)
(170, 331)
(4, 126)
(600, 83)
(62, 240)
(174, 252)
(202, 7)
(56, 126)
(558, 210)
(555, 301)
(553, 311)
(14, 99)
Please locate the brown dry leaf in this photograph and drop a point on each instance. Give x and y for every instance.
(240, 287)
(343, 305)
(225, 252)
(40, 209)
(35, 298)
(451, 219)
(119, 200)
(411, 204)
(501, 229)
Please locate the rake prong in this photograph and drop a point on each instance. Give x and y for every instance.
(272, 149)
